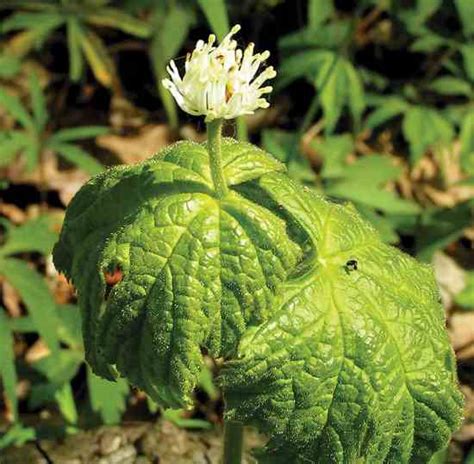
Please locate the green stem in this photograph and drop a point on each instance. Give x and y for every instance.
(242, 131)
(233, 440)
(214, 147)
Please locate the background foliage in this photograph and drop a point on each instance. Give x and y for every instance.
(373, 104)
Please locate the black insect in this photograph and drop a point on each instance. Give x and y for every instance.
(351, 265)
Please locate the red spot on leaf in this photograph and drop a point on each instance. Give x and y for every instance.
(114, 277)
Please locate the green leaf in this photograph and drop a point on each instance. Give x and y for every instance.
(331, 85)
(38, 103)
(332, 36)
(13, 106)
(78, 133)
(382, 223)
(216, 15)
(27, 20)
(32, 151)
(98, 58)
(23, 42)
(112, 17)
(171, 25)
(7, 365)
(470, 457)
(355, 365)
(9, 66)
(206, 383)
(65, 400)
(77, 156)
(60, 367)
(281, 144)
(189, 270)
(428, 43)
(171, 29)
(107, 398)
(69, 330)
(36, 296)
(76, 61)
(467, 143)
(388, 108)
(441, 457)
(426, 8)
(334, 151)
(449, 85)
(17, 435)
(11, 144)
(424, 128)
(355, 91)
(465, 297)
(467, 51)
(175, 416)
(440, 227)
(364, 182)
(303, 64)
(466, 13)
(35, 235)
(319, 11)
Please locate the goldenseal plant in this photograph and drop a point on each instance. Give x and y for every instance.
(333, 343)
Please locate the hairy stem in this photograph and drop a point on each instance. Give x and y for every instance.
(233, 441)
(214, 147)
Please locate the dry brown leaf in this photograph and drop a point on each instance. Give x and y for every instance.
(450, 276)
(461, 330)
(11, 299)
(465, 433)
(48, 176)
(436, 177)
(14, 214)
(123, 114)
(469, 402)
(190, 132)
(37, 351)
(134, 149)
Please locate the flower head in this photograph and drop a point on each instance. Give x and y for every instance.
(220, 81)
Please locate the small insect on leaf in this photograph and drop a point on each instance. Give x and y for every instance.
(351, 265)
(114, 277)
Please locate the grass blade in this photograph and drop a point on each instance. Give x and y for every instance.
(36, 296)
(7, 365)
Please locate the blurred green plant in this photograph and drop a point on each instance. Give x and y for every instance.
(41, 18)
(32, 135)
(59, 326)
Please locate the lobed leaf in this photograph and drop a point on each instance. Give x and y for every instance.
(164, 268)
(107, 398)
(355, 364)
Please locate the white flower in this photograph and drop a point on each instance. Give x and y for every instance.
(219, 81)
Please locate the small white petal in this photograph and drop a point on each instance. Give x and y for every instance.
(219, 81)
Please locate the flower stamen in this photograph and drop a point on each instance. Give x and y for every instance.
(220, 81)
